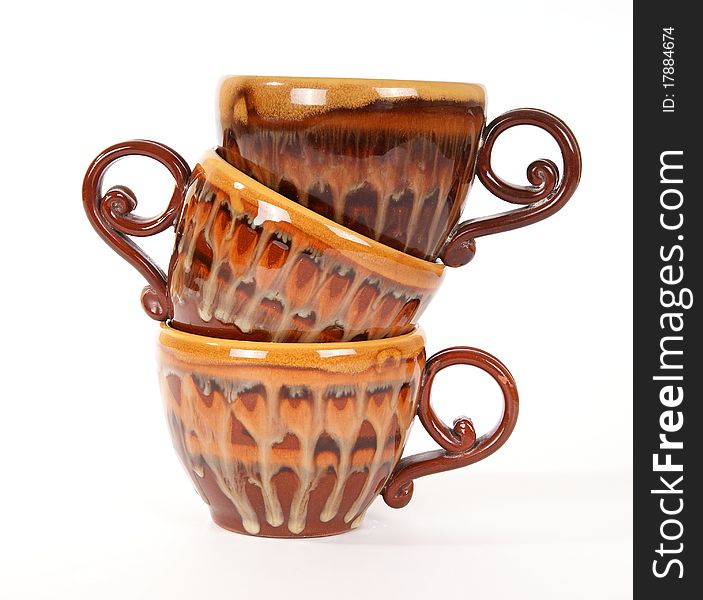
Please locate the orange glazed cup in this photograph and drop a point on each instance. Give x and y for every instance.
(297, 440)
(250, 264)
(393, 160)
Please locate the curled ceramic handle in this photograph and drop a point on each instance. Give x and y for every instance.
(111, 215)
(547, 194)
(460, 445)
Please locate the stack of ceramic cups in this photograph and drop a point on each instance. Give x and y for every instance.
(307, 246)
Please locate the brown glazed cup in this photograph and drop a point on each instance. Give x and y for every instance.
(393, 160)
(250, 264)
(297, 440)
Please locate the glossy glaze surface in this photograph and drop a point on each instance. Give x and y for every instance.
(291, 440)
(250, 264)
(296, 440)
(547, 193)
(111, 213)
(392, 160)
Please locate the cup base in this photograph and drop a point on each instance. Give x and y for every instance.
(226, 521)
(225, 515)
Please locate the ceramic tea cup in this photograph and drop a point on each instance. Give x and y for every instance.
(297, 440)
(250, 264)
(393, 160)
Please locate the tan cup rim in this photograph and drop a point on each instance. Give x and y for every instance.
(274, 100)
(333, 356)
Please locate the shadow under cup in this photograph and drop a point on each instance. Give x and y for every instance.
(297, 440)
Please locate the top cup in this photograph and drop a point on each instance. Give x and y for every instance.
(392, 160)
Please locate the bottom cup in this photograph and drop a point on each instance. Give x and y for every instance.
(296, 440)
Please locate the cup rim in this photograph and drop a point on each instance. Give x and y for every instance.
(428, 89)
(336, 356)
(275, 97)
(317, 225)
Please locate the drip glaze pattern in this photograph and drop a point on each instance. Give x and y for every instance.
(291, 450)
(296, 440)
(390, 160)
(249, 264)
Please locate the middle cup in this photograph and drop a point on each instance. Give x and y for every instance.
(250, 264)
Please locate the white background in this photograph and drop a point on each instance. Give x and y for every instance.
(94, 503)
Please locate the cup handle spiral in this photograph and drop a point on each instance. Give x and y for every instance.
(546, 195)
(460, 445)
(111, 215)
